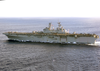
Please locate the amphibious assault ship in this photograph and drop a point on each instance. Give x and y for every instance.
(51, 35)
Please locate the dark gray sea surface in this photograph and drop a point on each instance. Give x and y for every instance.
(32, 56)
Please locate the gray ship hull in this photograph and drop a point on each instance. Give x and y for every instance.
(53, 39)
(49, 34)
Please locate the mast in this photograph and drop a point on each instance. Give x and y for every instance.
(50, 26)
(59, 24)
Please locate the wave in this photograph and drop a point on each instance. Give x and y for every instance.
(97, 43)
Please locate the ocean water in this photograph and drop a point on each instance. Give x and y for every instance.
(30, 56)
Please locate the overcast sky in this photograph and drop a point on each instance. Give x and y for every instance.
(50, 8)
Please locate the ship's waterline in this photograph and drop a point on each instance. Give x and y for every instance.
(49, 35)
(53, 39)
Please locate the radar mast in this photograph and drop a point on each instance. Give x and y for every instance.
(59, 24)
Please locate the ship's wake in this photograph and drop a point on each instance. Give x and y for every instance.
(97, 43)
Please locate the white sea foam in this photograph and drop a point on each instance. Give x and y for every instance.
(97, 43)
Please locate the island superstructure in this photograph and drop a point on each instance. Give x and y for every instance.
(51, 35)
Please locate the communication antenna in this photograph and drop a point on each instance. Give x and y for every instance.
(59, 24)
